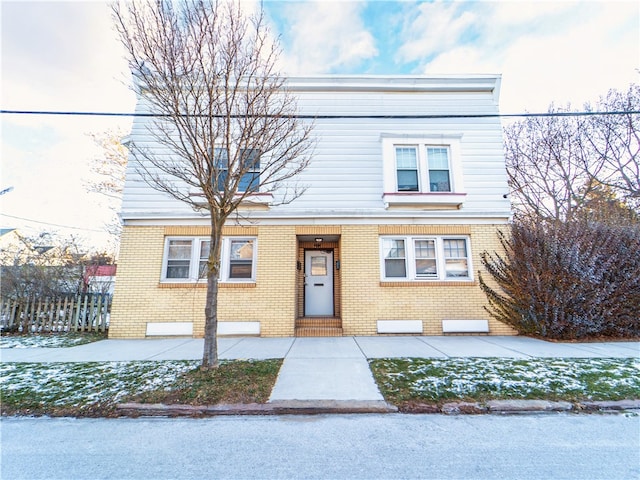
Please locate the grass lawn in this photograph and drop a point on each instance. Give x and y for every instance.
(94, 388)
(404, 382)
(50, 340)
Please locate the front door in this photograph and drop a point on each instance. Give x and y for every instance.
(318, 283)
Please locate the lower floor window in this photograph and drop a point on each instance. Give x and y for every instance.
(425, 258)
(186, 259)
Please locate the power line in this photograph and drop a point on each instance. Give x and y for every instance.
(51, 224)
(327, 117)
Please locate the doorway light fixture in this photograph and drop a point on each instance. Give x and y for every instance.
(318, 239)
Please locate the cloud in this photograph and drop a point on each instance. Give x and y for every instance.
(546, 51)
(62, 56)
(323, 37)
(433, 28)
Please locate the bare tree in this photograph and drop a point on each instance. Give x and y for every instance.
(545, 156)
(109, 170)
(615, 140)
(41, 265)
(226, 124)
(554, 162)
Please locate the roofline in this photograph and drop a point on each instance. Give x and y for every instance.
(395, 83)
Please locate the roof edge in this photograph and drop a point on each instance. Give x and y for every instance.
(394, 83)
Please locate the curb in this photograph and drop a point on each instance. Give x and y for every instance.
(288, 407)
(516, 407)
(317, 407)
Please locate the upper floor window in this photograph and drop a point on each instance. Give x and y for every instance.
(407, 169)
(425, 258)
(417, 166)
(422, 168)
(438, 169)
(248, 168)
(186, 259)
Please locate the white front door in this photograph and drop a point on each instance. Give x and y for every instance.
(318, 283)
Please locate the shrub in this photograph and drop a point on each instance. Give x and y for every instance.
(566, 280)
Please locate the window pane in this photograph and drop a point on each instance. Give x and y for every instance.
(425, 256)
(221, 156)
(177, 269)
(204, 258)
(241, 259)
(455, 248)
(249, 181)
(242, 249)
(457, 268)
(426, 268)
(393, 248)
(425, 249)
(178, 259)
(407, 169)
(455, 253)
(319, 266)
(179, 249)
(250, 159)
(395, 268)
(407, 180)
(222, 179)
(394, 254)
(438, 158)
(406, 158)
(439, 181)
(240, 270)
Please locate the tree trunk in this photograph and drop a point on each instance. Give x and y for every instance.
(210, 353)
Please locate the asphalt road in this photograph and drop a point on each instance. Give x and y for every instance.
(549, 446)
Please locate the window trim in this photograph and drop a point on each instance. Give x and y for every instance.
(424, 196)
(194, 262)
(410, 259)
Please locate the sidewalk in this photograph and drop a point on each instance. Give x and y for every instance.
(323, 347)
(328, 373)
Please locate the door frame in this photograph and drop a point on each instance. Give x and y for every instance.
(332, 266)
(308, 242)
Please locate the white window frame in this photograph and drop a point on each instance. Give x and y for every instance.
(410, 259)
(194, 261)
(424, 195)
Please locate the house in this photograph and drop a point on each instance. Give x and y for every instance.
(406, 189)
(99, 278)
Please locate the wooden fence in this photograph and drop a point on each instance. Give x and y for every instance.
(81, 313)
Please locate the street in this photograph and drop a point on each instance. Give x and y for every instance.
(558, 446)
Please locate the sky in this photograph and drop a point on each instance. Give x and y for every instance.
(65, 56)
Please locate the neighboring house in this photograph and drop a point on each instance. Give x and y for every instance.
(405, 192)
(99, 278)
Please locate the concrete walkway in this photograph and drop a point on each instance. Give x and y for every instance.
(328, 368)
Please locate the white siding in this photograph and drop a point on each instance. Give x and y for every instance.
(345, 178)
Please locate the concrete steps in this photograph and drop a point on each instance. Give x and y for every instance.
(318, 327)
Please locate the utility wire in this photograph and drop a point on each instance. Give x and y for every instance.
(325, 117)
(51, 224)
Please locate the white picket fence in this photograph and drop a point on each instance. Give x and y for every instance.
(80, 313)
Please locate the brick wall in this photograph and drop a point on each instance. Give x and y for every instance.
(275, 298)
